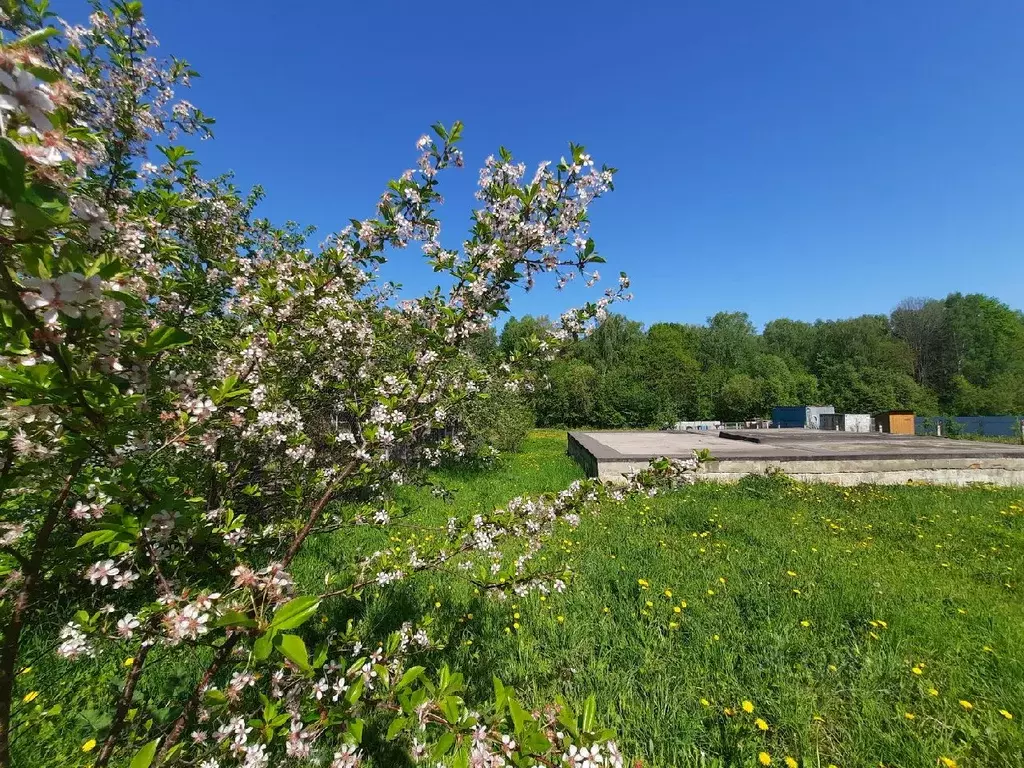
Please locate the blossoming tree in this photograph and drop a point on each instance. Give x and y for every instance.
(190, 394)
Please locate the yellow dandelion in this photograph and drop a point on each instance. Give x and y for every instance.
(909, 715)
(129, 661)
(761, 724)
(437, 604)
(805, 623)
(644, 583)
(561, 619)
(791, 573)
(711, 591)
(30, 696)
(947, 762)
(682, 603)
(89, 746)
(668, 593)
(649, 604)
(917, 670)
(748, 706)
(705, 703)
(797, 592)
(791, 763)
(933, 691)
(966, 705)
(764, 758)
(673, 625)
(677, 609)
(607, 609)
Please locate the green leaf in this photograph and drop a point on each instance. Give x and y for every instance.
(320, 656)
(35, 37)
(396, 727)
(215, 697)
(144, 757)
(234, 619)
(451, 708)
(355, 731)
(295, 612)
(12, 171)
(264, 645)
(41, 207)
(519, 715)
(355, 691)
(410, 675)
(535, 742)
(293, 649)
(589, 714)
(443, 745)
(95, 538)
(499, 694)
(166, 337)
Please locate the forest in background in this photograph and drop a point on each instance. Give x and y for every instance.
(961, 355)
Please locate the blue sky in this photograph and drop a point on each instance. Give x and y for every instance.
(797, 158)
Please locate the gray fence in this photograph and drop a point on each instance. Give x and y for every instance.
(992, 426)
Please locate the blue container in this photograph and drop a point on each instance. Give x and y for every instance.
(792, 416)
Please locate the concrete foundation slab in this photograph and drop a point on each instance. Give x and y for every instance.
(844, 458)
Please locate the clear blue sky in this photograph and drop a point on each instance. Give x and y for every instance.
(800, 158)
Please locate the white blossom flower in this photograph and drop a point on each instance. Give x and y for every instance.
(347, 757)
(27, 93)
(124, 579)
(93, 215)
(101, 572)
(126, 627)
(203, 409)
(74, 642)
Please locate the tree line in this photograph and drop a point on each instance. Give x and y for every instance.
(961, 355)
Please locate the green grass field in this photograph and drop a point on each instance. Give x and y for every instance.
(867, 626)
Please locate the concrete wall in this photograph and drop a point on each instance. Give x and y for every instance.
(997, 471)
(858, 422)
(845, 422)
(585, 458)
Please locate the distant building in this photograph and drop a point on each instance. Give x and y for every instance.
(846, 422)
(800, 416)
(696, 426)
(895, 422)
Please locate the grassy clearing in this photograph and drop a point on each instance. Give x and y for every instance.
(854, 621)
(836, 613)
